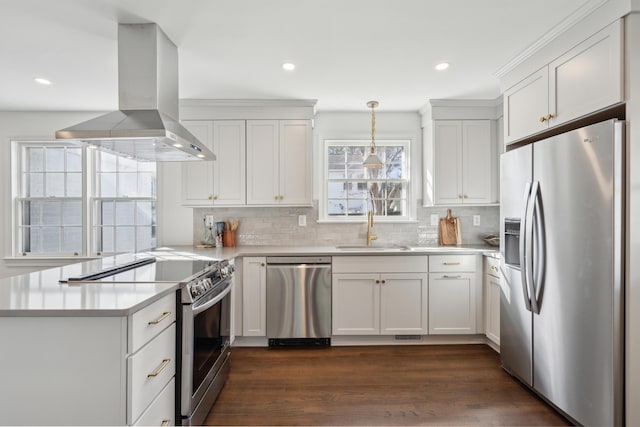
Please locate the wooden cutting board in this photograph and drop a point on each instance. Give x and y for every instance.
(450, 230)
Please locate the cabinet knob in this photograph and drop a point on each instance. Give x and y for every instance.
(210, 197)
(465, 196)
(281, 197)
(543, 119)
(459, 196)
(275, 197)
(549, 116)
(377, 281)
(215, 197)
(262, 264)
(384, 281)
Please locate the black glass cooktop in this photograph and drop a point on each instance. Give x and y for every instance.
(178, 271)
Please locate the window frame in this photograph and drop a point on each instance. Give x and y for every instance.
(89, 200)
(19, 150)
(405, 143)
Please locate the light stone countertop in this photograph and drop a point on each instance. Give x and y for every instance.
(40, 293)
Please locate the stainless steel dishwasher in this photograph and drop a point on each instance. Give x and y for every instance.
(299, 301)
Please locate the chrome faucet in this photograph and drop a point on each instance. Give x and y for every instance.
(370, 236)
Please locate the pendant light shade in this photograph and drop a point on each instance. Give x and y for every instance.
(373, 161)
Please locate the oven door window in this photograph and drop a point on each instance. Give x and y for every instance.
(211, 337)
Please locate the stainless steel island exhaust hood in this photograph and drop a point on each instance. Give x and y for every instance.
(146, 127)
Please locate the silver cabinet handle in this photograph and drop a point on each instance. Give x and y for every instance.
(450, 263)
(163, 365)
(160, 319)
(451, 277)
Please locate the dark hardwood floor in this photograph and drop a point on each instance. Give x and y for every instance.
(391, 385)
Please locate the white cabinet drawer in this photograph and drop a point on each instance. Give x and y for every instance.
(150, 321)
(449, 263)
(162, 409)
(380, 264)
(150, 370)
(492, 266)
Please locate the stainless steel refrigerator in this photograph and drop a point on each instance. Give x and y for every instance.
(562, 305)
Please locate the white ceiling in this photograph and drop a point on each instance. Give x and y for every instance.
(347, 52)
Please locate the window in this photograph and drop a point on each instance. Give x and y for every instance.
(53, 196)
(125, 205)
(352, 190)
(49, 205)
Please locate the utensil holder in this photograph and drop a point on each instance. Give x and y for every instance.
(229, 238)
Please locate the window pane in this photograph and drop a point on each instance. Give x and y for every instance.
(128, 184)
(145, 238)
(338, 173)
(146, 185)
(72, 213)
(127, 165)
(51, 213)
(355, 171)
(36, 185)
(105, 236)
(337, 207)
(107, 186)
(26, 239)
(125, 239)
(125, 214)
(36, 159)
(106, 213)
(72, 239)
(337, 190)
(107, 162)
(74, 184)
(144, 213)
(31, 212)
(54, 159)
(356, 154)
(393, 171)
(34, 245)
(51, 239)
(394, 190)
(356, 207)
(74, 159)
(395, 207)
(54, 185)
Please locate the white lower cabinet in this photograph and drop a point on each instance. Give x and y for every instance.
(453, 298)
(90, 370)
(379, 295)
(254, 297)
(492, 299)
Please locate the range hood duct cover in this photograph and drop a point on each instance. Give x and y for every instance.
(146, 127)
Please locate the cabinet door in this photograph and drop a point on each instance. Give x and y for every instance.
(295, 162)
(588, 77)
(229, 180)
(197, 177)
(524, 104)
(355, 306)
(254, 297)
(492, 323)
(478, 161)
(403, 304)
(262, 162)
(447, 164)
(452, 303)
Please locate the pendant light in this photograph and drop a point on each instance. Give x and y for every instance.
(373, 161)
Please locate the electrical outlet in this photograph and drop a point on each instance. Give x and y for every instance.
(476, 220)
(434, 219)
(208, 220)
(302, 220)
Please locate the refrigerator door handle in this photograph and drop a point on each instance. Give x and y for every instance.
(527, 268)
(523, 244)
(539, 260)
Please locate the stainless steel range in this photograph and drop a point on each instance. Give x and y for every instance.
(203, 347)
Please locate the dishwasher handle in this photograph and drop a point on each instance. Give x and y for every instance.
(298, 260)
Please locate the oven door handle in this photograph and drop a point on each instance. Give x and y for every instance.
(200, 308)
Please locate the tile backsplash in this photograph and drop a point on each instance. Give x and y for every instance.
(279, 226)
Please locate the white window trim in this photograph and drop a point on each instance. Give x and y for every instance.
(323, 206)
(18, 148)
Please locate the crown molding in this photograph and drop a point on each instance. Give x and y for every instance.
(571, 20)
(190, 102)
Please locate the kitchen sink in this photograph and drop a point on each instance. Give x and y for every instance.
(366, 248)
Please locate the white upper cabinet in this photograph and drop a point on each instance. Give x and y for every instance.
(585, 79)
(464, 162)
(221, 182)
(197, 177)
(279, 162)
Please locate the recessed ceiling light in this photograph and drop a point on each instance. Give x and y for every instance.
(288, 66)
(177, 145)
(93, 147)
(442, 66)
(201, 156)
(42, 81)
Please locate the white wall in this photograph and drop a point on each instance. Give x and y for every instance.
(25, 126)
